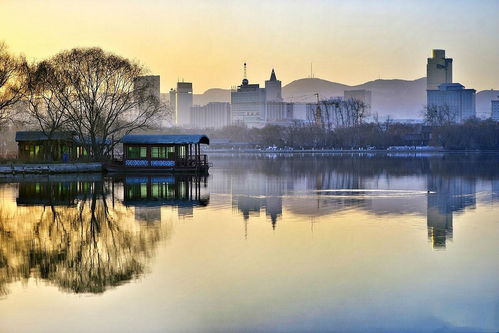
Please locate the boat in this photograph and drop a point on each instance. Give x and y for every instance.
(163, 153)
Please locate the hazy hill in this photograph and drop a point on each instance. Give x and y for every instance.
(303, 90)
(397, 98)
(212, 95)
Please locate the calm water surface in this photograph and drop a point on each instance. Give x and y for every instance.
(265, 243)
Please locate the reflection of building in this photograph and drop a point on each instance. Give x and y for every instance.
(52, 193)
(211, 115)
(254, 194)
(447, 195)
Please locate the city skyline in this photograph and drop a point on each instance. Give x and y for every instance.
(207, 42)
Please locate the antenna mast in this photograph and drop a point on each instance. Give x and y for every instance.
(245, 76)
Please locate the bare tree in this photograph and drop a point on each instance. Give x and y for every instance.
(10, 83)
(100, 98)
(42, 101)
(336, 112)
(439, 115)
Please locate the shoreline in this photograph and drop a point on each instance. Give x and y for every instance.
(348, 151)
(97, 167)
(47, 169)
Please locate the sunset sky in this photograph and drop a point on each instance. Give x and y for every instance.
(207, 41)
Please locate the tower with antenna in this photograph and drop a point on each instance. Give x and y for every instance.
(248, 103)
(245, 76)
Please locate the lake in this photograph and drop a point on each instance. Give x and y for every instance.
(265, 243)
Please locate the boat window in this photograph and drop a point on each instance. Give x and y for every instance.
(163, 152)
(181, 151)
(137, 152)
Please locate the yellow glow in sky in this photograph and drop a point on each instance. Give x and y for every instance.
(206, 41)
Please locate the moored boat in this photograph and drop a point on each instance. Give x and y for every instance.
(173, 153)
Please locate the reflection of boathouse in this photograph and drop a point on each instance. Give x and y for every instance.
(52, 193)
(147, 194)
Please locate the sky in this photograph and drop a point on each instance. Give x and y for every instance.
(207, 41)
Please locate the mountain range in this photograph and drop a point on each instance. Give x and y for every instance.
(399, 99)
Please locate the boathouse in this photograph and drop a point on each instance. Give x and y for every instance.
(36, 145)
(62, 146)
(165, 151)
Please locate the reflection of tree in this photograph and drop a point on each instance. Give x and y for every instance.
(86, 248)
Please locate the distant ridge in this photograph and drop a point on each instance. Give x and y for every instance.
(390, 97)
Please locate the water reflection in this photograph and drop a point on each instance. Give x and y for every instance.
(317, 187)
(85, 234)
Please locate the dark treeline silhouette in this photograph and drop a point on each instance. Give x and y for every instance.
(472, 135)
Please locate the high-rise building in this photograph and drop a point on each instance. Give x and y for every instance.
(248, 104)
(438, 70)
(494, 110)
(459, 102)
(183, 103)
(273, 89)
(211, 115)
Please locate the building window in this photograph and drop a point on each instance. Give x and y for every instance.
(137, 152)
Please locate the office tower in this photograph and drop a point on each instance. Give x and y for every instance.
(211, 115)
(183, 103)
(438, 70)
(248, 104)
(459, 102)
(273, 90)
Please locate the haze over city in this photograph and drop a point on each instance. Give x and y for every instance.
(206, 42)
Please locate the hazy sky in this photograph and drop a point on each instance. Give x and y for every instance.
(206, 41)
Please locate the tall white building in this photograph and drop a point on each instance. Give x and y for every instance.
(183, 103)
(248, 104)
(438, 70)
(494, 110)
(459, 101)
(211, 115)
